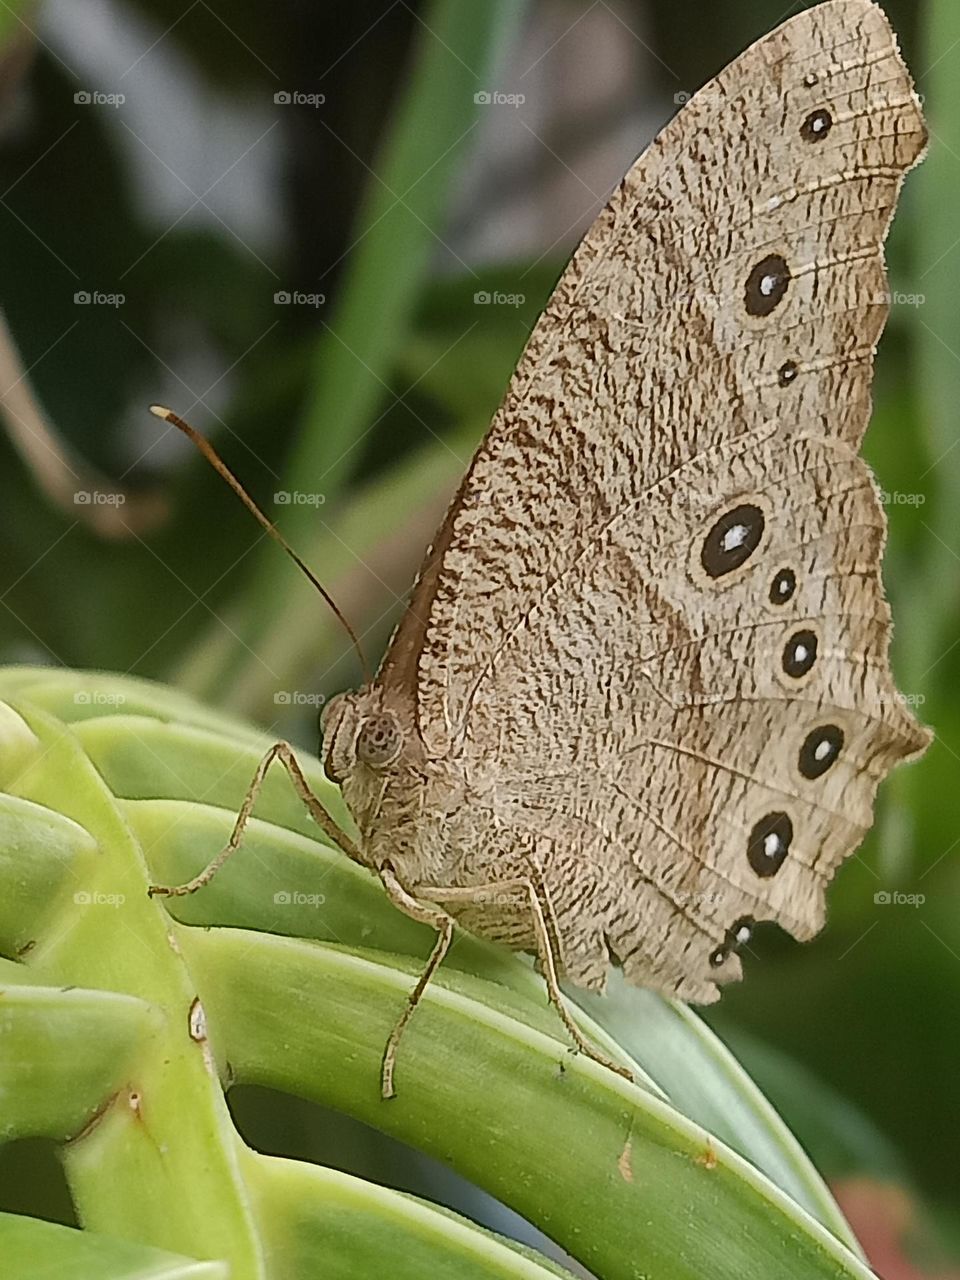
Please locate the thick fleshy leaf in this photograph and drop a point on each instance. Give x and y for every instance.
(135, 784)
(32, 1249)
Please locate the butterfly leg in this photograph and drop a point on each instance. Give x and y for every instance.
(444, 923)
(546, 931)
(283, 752)
(545, 922)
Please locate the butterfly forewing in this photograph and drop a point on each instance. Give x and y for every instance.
(652, 634)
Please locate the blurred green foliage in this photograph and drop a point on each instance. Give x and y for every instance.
(376, 397)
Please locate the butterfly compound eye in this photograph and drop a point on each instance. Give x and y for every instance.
(380, 740)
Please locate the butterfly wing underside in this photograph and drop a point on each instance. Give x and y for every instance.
(655, 608)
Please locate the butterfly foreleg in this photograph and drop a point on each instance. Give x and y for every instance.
(546, 933)
(283, 752)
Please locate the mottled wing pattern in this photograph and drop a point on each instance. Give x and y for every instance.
(654, 614)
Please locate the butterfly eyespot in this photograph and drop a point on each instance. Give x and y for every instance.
(739, 934)
(816, 126)
(732, 540)
(821, 749)
(799, 654)
(783, 586)
(787, 373)
(380, 740)
(811, 79)
(766, 285)
(769, 844)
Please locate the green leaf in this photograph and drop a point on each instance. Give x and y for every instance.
(289, 970)
(606, 1169)
(64, 1052)
(323, 1221)
(36, 1250)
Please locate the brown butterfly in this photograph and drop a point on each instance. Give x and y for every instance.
(640, 698)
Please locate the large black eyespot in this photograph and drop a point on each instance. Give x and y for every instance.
(732, 540)
(766, 285)
(800, 653)
(783, 587)
(816, 126)
(379, 740)
(820, 750)
(769, 844)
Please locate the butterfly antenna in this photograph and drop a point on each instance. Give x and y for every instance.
(222, 470)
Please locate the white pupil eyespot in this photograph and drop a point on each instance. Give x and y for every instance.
(735, 537)
(767, 285)
(743, 933)
(800, 653)
(771, 845)
(823, 750)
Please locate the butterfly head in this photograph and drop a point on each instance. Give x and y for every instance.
(359, 731)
